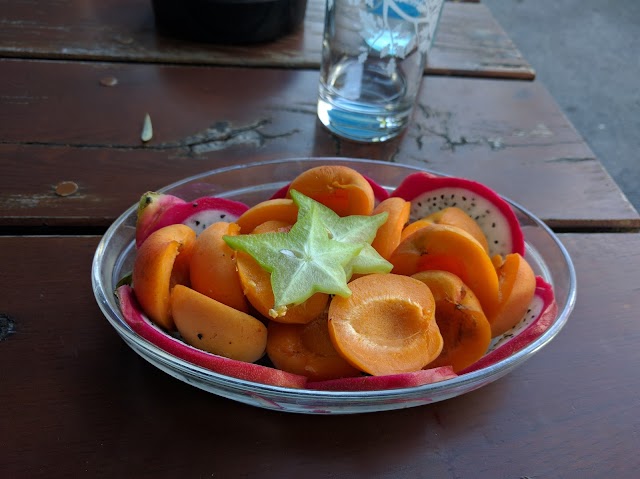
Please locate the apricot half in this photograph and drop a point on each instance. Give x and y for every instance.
(214, 327)
(340, 188)
(454, 216)
(413, 227)
(388, 235)
(386, 326)
(306, 349)
(517, 288)
(213, 269)
(135, 318)
(462, 323)
(162, 261)
(280, 209)
(448, 248)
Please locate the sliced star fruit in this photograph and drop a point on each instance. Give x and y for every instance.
(303, 261)
(351, 229)
(309, 258)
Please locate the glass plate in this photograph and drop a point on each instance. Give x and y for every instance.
(255, 182)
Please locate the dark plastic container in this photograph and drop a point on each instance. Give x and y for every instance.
(234, 22)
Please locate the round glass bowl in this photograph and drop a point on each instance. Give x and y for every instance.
(255, 182)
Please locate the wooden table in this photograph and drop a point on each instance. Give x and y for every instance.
(76, 401)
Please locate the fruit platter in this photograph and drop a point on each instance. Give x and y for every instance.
(332, 285)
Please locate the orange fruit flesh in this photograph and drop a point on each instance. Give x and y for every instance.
(454, 216)
(217, 328)
(389, 234)
(386, 326)
(280, 209)
(517, 288)
(213, 268)
(340, 188)
(256, 283)
(306, 349)
(464, 327)
(448, 248)
(162, 261)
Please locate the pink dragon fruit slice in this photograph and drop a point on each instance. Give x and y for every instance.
(391, 381)
(281, 192)
(197, 214)
(429, 194)
(136, 319)
(540, 315)
(151, 207)
(379, 192)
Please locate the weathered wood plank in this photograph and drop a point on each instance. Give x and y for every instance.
(469, 41)
(77, 401)
(60, 124)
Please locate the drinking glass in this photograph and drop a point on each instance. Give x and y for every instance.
(373, 57)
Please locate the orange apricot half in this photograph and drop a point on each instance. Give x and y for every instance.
(451, 216)
(340, 188)
(448, 248)
(454, 216)
(388, 235)
(306, 349)
(213, 269)
(462, 323)
(280, 209)
(212, 326)
(256, 284)
(162, 261)
(413, 227)
(517, 288)
(386, 326)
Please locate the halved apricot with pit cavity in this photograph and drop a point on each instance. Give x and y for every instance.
(386, 326)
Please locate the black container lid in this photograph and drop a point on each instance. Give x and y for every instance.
(228, 21)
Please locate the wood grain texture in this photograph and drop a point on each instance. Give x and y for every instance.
(77, 401)
(59, 124)
(469, 41)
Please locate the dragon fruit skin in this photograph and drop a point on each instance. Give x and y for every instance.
(391, 381)
(197, 214)
(429, 194)
(540, 315)
(141, 325)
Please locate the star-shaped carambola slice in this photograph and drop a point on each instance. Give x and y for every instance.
(303, 261)
(351, 229)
